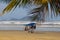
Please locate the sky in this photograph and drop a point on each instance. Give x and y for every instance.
(21, 12)
(17, 13)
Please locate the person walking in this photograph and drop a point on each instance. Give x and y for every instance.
(30, 27)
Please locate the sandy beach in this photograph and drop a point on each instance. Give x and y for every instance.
(11, 31)
(23, 35)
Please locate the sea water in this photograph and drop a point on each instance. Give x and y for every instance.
(21, 27)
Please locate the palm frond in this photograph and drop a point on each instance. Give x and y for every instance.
(37, 15)
(10, 6)
(55, 6)
(14, 4)
(39, 2)
(24, 2)
(34, 17)
(35, 10)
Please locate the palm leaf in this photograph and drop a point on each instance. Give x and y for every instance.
(24, 2)
(37, 15)
(55, 7)
(14, 4)
(37, 10)
(10, 6)
(34, 18)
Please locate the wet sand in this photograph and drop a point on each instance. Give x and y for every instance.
(23, 35)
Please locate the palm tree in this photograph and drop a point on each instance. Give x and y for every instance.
(54, 5)
(39, 12)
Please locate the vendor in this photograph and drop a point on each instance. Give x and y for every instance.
(30, 27)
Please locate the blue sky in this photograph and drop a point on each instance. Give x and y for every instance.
(19, 13)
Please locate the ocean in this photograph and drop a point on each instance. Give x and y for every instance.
(21, 27)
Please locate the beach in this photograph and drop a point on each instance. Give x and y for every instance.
(15, 31)
(23, 35)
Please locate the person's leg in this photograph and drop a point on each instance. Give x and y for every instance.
(30, 29)
(26, 28)
(33, 29)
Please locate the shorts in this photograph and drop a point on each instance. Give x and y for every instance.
(33, 27)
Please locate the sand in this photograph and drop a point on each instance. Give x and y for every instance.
(23, 35)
